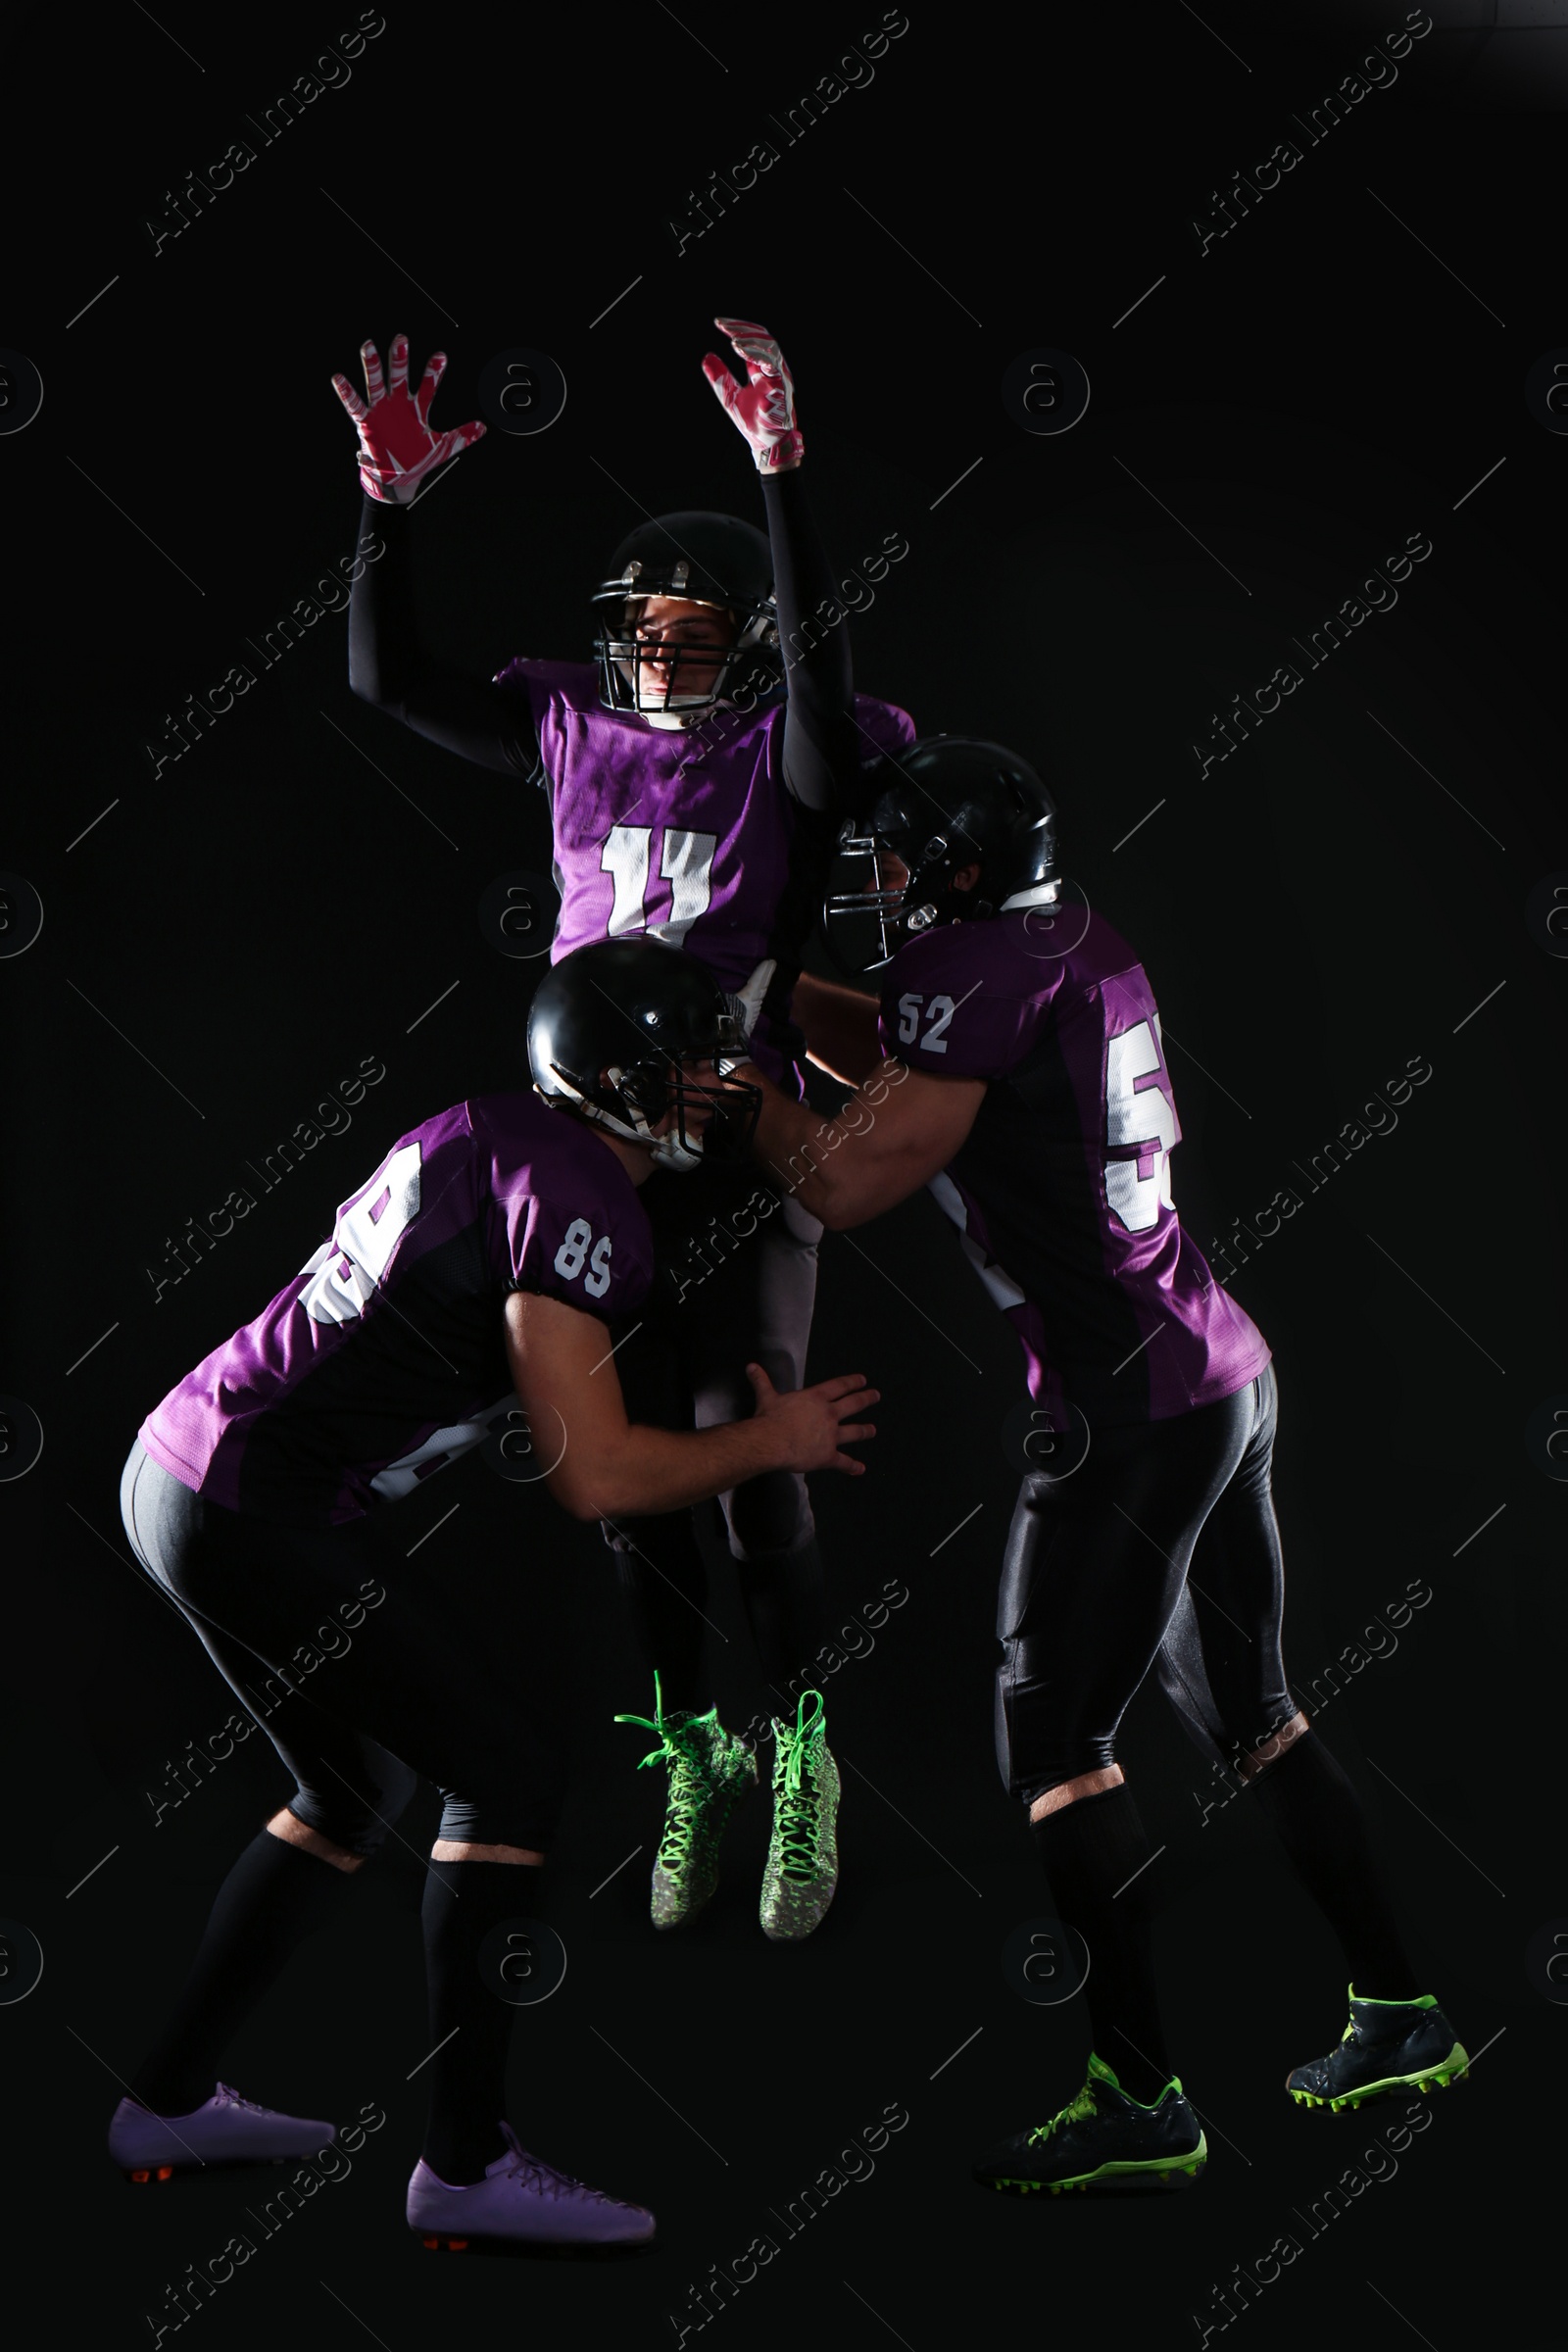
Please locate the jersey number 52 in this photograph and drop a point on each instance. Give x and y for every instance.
(1140, 1116)
(937, 1013)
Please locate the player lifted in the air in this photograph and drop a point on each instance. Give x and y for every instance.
(492, 1256)
(695, 774)
(1024, 1081)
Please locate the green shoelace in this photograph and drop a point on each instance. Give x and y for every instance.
(685, 1753)
(1073, 2113)
(797, 1798)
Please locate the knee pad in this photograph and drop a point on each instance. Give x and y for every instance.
(771, 1513)
(398, 1783)
(361, 1819)
(498, 1821)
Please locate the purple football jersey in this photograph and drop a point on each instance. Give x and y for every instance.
(385, 1357)
(1062, 1192)
(687, 834)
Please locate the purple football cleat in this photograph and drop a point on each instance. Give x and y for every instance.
(224, 2130)
(522, 2202)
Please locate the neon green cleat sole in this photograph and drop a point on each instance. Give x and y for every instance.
(1162, 2167)
(1454, 2069)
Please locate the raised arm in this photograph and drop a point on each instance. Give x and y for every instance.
(822, 743)
(608, 1466)
(388, 667)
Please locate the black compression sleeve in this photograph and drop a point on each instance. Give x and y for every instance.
(389, 669)
(821, 742)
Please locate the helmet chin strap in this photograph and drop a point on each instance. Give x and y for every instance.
(668, 1151)
(953, 906)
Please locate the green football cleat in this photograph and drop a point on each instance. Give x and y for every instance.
(803, 1855)
(1387, 2046)
(708, 1769)
(1101, 2136)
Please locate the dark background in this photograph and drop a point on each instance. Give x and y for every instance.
(239, 931)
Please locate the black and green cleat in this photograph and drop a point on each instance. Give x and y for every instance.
(1387, 2046)
(1102, 2136)
(708, 1769)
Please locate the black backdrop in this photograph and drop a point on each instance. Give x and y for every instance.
(227, 936)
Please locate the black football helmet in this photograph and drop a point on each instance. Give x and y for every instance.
(938, 804)
(612, 1032)
(707, 560)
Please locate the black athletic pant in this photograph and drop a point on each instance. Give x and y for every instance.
(738, 1282)
(409, 1690)
(397, 1688)
(1161, 1549)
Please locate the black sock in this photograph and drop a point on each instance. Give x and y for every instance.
(463, 1902)
(1096, 1853)
(1320, 1823)
(664, 1582)
(786, 1606)
(274, 1895)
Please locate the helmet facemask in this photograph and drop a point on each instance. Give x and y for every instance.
(950, 805)
(653, 675)
(694, 559)
(909, 890)
(633, 1101)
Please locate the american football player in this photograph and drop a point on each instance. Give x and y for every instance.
(695, 774)
(488, 1262)
(1014, 1063)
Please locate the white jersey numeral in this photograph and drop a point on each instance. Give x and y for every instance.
(686, 863)
(624, 857)
(1138, 1115)
(579, 1250)
(937, 1013)
(348, 1267)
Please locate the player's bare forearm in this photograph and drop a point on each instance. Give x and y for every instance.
(894, 1134)
(655, 1470)
(790, 1144)
(840, 1025)
(603, 1466)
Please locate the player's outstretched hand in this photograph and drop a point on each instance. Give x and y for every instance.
(762, 408)
(397, 448)
(815, 1423)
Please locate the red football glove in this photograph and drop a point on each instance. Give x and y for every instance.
(764, 407)
(397, 448)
